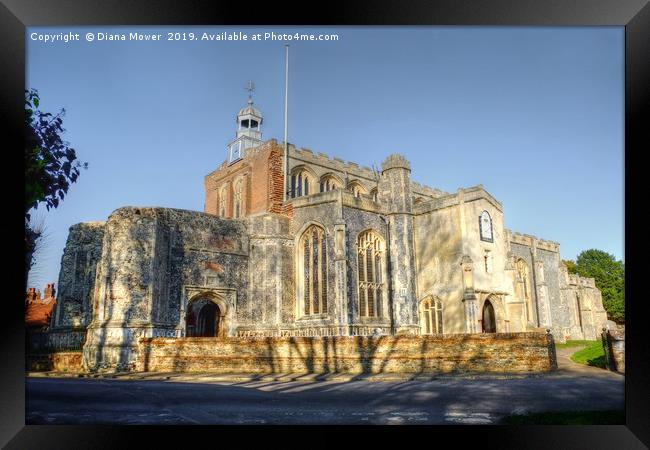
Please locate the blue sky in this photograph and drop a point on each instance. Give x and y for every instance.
(535, 114)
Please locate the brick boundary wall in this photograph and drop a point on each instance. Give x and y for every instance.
(57, 361)
(503, 352)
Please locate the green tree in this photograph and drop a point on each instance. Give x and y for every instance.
(570, 266)
(51, 166)
(609, 275)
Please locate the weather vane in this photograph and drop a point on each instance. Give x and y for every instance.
(250, 87)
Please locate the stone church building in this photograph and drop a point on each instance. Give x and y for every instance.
(351, 252)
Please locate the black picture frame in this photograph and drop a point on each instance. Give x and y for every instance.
(634, 15)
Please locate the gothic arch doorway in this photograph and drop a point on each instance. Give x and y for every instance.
(489, 319)
(204, 319)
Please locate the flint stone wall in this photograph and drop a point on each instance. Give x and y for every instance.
(65, 339)
(614, 343)
(150, 256)
(77, 276)
(505, 352)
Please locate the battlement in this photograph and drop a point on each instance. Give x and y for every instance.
(478, 192)
(577, 280)
(363, 202)
(446, 200)
(530, 241)
(423, 189)
(315, 199)
(310, 157)
(336, 164)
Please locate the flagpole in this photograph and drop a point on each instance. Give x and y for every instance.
(286, 117)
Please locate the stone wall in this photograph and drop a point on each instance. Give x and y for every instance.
(550, 306)
(589, 301)
(438, 249)
(82, 252)
(269, 302)
(154, 261)
(356, 221)
(614, 344)
(343, 217)
(511, 352)
(58, 361)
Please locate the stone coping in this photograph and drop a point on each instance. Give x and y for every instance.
(211, 377)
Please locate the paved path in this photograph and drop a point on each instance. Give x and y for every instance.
(208, 399)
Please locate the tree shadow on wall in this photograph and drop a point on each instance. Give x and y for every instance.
(106, 302)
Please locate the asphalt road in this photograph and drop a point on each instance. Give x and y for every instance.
(448, 400)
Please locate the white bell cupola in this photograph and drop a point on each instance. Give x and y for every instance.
(249, 128)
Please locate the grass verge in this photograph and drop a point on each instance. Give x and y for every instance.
(614, 417)
(592, 355)
(573, 344)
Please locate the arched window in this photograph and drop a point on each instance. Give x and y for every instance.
(431, 316)
(485, 226)
(329, 183)
(300, 184)
(356, 188)
(223, 194)
(312, 273)
(373, 194)
(524, 283)
(238, 199)
(370, 254)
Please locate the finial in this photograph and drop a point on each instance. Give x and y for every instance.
(250, 87)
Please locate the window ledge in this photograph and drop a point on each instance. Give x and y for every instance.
(314, 317)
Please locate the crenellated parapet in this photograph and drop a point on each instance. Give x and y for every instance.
(578, 281)
(530, 241)
(353, 169)
(444, 201)
(426, 191)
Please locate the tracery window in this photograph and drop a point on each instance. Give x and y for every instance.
(300, 184)
(522, 277)
(313, 273)
(223, 192)
(370, 254)
(329, 183)
(431, 316)
(238, 199)
(356, 188)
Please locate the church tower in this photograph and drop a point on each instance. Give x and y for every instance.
(249, 129)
